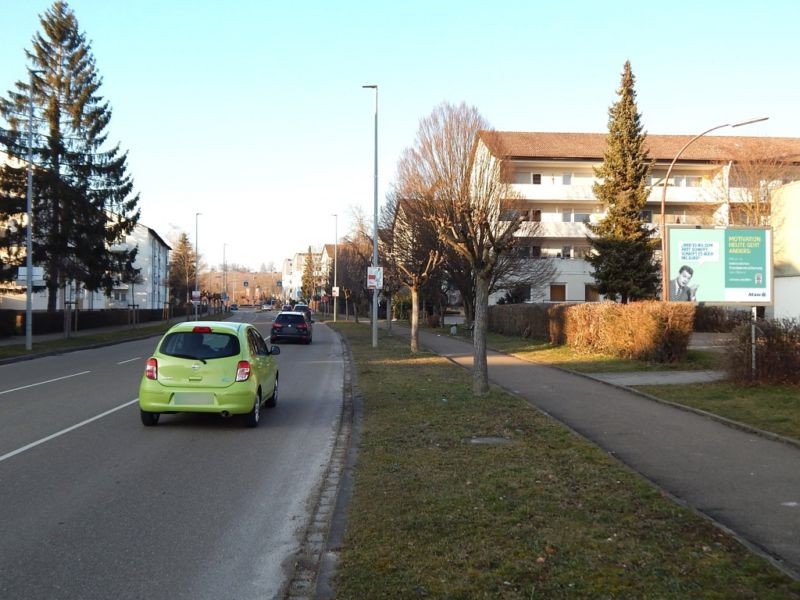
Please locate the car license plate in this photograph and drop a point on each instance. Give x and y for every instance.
(187, 398)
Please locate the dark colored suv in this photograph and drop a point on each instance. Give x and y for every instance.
(305, 309)
(291, 326)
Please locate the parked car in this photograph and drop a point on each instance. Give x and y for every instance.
(234, 306)
(210, 367)
(305, 309)
(291, 325)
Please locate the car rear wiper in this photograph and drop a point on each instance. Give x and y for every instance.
(190, 357)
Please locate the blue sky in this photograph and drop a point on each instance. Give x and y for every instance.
(252, 113)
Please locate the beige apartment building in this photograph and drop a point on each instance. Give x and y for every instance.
(708, 186)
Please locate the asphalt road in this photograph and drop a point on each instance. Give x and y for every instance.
(94, 506)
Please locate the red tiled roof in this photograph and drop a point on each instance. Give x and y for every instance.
(590, 146)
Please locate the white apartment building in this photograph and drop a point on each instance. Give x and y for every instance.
(786, 217)
(554, 174)
(150, 292)
(295, 267)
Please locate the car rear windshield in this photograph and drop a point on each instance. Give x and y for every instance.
(285, 318)
(192, 344)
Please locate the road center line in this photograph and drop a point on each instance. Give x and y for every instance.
(67, 430)
(24, 387)
(122, 362)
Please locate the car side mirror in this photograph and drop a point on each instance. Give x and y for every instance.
(275, 350)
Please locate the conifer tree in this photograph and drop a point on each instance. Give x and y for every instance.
(623, 250)
(308, 282)
(182, 269)
(83, 195)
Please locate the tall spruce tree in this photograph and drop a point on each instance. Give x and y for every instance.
(308, 282)
(623, 250)
(83, 195)
(182, 269)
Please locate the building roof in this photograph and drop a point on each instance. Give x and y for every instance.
(521, 145)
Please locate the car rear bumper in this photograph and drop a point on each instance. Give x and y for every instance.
(235, 400)
(299, 337)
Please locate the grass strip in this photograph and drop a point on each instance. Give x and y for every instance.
(773, 408)
(544, 514)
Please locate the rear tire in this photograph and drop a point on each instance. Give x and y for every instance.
(149, 418)
(252, 418)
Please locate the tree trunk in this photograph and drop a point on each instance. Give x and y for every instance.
(414, 319)
(389, 312)
(52, 296)
(469, 308)
(480, 369)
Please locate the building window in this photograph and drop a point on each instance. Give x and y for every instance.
(566, 216)
(536, 216)
(566, 179)
(558, 292)
(566, 251)
(646, 216)
(581, 217)
(522, 177)
(688, 181)
(536, 251)
(591, 293)
(536, 178)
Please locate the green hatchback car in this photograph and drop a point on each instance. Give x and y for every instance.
(210, 367)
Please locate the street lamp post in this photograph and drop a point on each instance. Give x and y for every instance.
(375, 226)
(196, 266)
(664, 274)
(29, 229)
(335, 266)
(224, 277)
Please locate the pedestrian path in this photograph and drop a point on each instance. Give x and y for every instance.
(747, 483)
(632, 378)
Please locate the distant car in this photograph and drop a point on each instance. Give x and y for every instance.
(266, 307)
(291, 325)
(286, 307)
(305, 309)
(210, 367)
(234, 306)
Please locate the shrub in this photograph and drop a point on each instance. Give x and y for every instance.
(719, 319)
(522, 320)
(777, 353)
(650, 331)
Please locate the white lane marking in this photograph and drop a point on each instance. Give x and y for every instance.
(24, 387)
(122, 362)
(67, 430)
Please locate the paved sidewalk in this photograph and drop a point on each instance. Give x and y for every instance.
(747, 483)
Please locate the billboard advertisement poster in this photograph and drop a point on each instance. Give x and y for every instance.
(720, 265)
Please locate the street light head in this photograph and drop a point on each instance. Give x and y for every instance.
(372, 87)
(750, 121)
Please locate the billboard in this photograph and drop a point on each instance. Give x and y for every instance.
(720, 265)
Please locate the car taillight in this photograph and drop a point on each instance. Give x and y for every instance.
(151, 370)
(277, 326)
(201, 329)
(243, 371)
(302, 326)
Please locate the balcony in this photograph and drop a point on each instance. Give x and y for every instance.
(551, 192)
(553, 229)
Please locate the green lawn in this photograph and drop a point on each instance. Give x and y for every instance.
(544, 514)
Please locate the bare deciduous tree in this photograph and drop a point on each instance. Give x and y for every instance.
(460, 189)
(414, 249)
(354, 256)
(756, 171)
